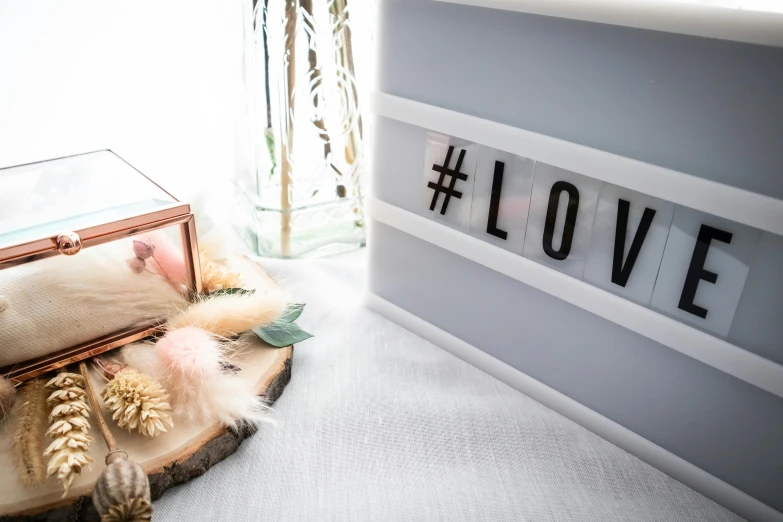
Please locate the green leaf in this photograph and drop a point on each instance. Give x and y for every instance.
(280, 335)
(291, 313)
(229, 291)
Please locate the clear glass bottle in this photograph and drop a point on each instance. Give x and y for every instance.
(303, 182)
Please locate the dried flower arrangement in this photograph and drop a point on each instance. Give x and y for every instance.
(191, 373)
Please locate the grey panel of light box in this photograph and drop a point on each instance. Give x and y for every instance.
(399, 151)
(723, 425)
(707, 107)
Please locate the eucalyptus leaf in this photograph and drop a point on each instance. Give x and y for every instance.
(292, 313)
(280, 334)
(229, 291)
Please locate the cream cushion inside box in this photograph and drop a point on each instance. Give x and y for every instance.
(59, 302)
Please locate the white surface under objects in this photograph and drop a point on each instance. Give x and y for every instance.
(379, 424)
(674, 466)
(751, 21)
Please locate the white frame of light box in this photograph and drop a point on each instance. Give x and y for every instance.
(755, 210)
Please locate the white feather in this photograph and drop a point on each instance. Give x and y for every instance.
(220, 396)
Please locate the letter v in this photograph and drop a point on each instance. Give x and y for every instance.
(622, 271)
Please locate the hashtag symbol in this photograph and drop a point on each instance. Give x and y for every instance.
(441, 187)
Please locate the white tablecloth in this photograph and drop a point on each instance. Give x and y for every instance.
(380, 425)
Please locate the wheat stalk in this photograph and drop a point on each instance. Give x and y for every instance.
(28, 428)
(68, 428)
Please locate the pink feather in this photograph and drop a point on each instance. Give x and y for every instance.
(169, 258)
(191, 351)
(189, 362)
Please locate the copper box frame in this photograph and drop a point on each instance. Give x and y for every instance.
(176, 213)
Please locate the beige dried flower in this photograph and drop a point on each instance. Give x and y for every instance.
(138, 403)
(215, 276)
(68, 428)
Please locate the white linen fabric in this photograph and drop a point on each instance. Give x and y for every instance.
(378, 424)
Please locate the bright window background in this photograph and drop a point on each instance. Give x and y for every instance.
(160, 83)
(155, 81)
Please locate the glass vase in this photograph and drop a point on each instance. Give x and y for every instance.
(303, 181)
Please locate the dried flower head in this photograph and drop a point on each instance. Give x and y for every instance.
(215, 276)
(68, 428)
(138, 403)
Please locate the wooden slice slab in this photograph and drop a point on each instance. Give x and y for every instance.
(173, 458)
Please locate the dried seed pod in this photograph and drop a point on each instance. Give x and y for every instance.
(122, 492)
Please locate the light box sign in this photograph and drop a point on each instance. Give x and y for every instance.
(687, 264)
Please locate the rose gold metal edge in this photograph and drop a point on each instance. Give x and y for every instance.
(91, 237)
(35, 367)
(191, 253)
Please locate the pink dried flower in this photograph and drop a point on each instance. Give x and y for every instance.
(169, 258)
(143, 249)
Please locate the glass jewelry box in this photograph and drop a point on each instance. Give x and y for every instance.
(92, 255)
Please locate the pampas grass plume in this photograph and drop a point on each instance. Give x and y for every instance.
(7, 397)
(190, 351)
(232, 314)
